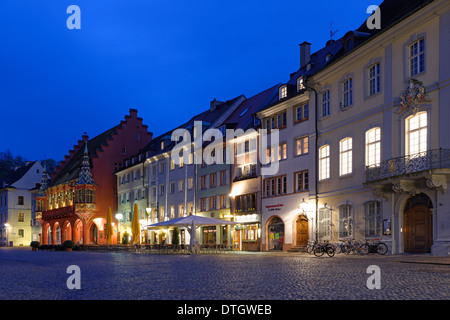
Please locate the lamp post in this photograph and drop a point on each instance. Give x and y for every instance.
(149, 211)
(119, 217)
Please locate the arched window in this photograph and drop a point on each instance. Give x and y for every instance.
(345, 156)
(373, 147)
(324, 162)
(416, 133)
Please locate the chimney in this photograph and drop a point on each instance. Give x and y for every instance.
(213, 104)
(305, 53)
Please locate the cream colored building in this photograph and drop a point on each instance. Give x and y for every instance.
(16, 205)
(383, 166)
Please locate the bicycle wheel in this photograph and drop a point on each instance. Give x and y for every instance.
(330, 251)
(348, 249)
(319, 251)
(363, 249)
(382, 248)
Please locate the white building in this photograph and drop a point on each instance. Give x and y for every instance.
(16, 205)
(383, 162)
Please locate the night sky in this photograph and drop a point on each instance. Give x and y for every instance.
(168, 59)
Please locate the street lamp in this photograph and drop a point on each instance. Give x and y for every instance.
(119, 217)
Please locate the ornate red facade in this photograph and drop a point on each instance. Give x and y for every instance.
(74, 204)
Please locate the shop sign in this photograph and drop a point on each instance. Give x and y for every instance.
(274, 207)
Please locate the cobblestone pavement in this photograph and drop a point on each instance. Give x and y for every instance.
(241, 276)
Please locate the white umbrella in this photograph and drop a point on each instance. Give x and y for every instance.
(187, 221)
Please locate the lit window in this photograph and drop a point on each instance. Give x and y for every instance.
(417, 57)
(283, 92)
(373, 147)
(300, 84)
(416, 133)
(282, 151)
(324, 162)
(301, 146)
(345, 155)
(374, 79)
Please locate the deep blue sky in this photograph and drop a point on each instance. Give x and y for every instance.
(168, 59)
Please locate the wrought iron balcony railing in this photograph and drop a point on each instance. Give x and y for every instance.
(410, 164)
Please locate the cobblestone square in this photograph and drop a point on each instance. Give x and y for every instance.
(240, 276)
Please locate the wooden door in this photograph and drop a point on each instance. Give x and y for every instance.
(418, 230)
(302, 231)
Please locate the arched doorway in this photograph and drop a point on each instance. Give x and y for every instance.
(94, 233)
(67, 231)
(276, 234)
(49, 235)
(418, 227)
(77, 232)
(302, 230)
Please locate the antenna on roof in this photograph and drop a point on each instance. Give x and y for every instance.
(332, 33)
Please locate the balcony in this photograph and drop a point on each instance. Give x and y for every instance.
(58, 213)
(411, 165)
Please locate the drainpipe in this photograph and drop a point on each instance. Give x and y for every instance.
(316, 152)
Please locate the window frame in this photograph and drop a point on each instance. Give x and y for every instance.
(347, 162)
(374, 144)
(324, 161)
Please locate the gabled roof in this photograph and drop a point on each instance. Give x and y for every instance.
(242, 117)
(392, 12)
(71, 170)
(208, 117)
(16, 175)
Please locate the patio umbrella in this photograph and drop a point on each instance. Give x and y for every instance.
(135, 226)
(187, 221)
(109, 227)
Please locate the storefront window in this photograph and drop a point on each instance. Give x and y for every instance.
(209, 235)
(276, 234)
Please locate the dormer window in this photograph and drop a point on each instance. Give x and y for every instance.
(327, 57)
(308, 66)
(283, 92)
(162, 145)
(300, 84)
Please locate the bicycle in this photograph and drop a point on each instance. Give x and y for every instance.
(322, 248)
(312, 246)
(376, 247)
(344, 247)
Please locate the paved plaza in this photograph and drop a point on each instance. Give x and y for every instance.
(237, 276)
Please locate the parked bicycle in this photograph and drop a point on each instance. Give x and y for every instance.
(312, 246)
(375, 247)
(322, 248)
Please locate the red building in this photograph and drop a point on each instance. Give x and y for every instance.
(74, 204)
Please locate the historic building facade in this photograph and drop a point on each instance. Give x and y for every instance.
(382, 136)
(16, 203)
(75, 203)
